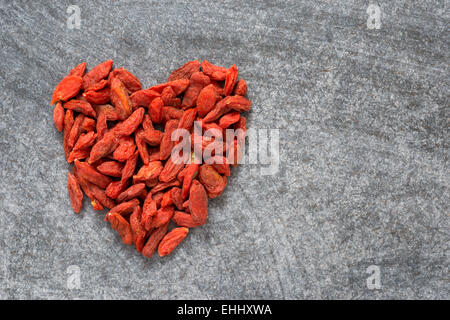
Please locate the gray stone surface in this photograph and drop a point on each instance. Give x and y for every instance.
(363, 177)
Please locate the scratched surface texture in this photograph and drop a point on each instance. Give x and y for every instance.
(363, 179)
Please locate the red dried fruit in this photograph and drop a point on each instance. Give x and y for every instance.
(148, 172)
(66, 89)
(58, 116)
(190, 174)
(111, 168)
(75, 132)
(198, 202)
(141, 146)
(179, 86)
(80, 106)
(214, 72)
(240, 89)
(120, 99)
(170, 113)
(154, 240)
(172, 240)
(197, 82)
(98, 97)
(104, 147)
(85, 141)
(147, 122)
(148, 211)
(162, 216)
(124, 208)
(135, 191)
(125, 149)
(184, 219)
(230, 80)
(130, 81)
(100, 195)
(98, 86)
(122, 226)
(229, 119)
(97, 73)
(164, 185)
(130, 166)
(92, 175)
(155, 110)
(143, 98)
(75, 194)
(68, 123)
(152, 137)
(115, 188)
(78, 70)
(185, 71)
(88, 125)
(170, 170)
(187, 120)
(78, 154)
(169, 97)
(213, 182)
(206, 100)
(139, 233)
(166, 142)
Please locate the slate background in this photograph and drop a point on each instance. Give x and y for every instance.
(363, 177)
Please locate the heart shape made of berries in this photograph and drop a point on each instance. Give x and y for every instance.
(151, 156)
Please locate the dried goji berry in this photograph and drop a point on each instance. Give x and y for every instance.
(75, 132)
(80, 106)
(130, 81)
(125, 149)
(143, 98)
(135, 191)
(185, 71)
(198, 202)
(97, 73)
(111, 168)
(206, 100)
(58, 116)
(122, 226)
(214, 72)
(229, 119)
(197, 82)
(170, 170)
(184, 219)
(154, 240)
(124, 208)
(230, 80)
(155, 110)
(120, 99)
(139, 233)
(162, 216)
(66, 89)
(240, 89)
(98, 97)
(88, 125)
(148, 171)
(91, 174)
(166, 146)
(78, 70)
(75, 194)
(172, 240)
(213, 182)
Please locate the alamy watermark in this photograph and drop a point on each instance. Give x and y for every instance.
(374, 19)
(213, 145)
(74, 19)
(74, 277)
(373, 282)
